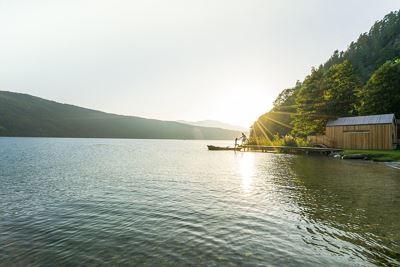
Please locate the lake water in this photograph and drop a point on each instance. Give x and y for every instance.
(173, 203)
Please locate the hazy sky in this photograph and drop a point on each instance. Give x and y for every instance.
(168, 59)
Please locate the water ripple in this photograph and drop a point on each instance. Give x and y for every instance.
(173, 203)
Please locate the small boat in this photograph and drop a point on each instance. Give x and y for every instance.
(355, 156)
(210, 147)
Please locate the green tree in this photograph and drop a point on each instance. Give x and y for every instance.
(285, 99)
(373, 48)
(310, 113)
(382, 91)
(340, 85)
(278, 121)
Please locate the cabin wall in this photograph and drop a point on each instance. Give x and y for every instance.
(375, 136)
(398, 132)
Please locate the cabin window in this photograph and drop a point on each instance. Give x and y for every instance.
(355, 129)
(356, 132)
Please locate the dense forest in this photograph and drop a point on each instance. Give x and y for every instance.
(363, 80)
(26, 115)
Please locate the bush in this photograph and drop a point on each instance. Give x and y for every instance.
(287, 140)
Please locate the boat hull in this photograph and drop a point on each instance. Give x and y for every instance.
(210, 147)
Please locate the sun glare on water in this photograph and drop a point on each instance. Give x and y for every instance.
(246, 168)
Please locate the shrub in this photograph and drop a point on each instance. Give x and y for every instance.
(287, 140)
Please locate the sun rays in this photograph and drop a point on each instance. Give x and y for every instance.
(268, 126)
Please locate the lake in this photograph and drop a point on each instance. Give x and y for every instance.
(173, 203)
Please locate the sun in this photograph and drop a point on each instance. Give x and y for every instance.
(239, 110)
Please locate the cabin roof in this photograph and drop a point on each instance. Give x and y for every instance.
(362, 120)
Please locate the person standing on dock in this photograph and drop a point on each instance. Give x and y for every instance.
(244, 138)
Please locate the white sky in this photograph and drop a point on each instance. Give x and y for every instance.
(174, 59)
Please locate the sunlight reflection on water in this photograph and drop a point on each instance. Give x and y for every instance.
(246, 168)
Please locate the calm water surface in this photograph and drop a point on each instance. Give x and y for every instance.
(164, 203)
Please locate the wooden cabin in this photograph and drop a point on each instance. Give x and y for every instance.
(362, 132)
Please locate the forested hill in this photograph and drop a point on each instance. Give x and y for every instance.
(26, 115)
(363, 80)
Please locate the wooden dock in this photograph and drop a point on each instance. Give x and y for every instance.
(291, 150)
(281, 149)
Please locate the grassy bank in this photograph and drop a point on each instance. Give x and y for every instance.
(376, 155)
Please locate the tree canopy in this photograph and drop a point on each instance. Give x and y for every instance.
(381, 94)
(362, 80)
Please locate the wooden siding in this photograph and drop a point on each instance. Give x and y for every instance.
(377, 136)
(398, 132)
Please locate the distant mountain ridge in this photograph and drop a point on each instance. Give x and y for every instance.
(215, 124)
(26, 115)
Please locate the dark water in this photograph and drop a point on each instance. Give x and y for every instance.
(164, 203)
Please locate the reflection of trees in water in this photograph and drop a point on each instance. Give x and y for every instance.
(360, 200)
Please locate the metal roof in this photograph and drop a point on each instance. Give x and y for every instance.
(362, 120)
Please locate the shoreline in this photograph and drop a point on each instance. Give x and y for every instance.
(375, 155)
